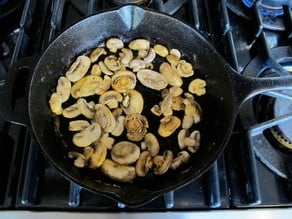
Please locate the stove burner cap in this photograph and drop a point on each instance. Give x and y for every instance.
(283, 131)
(269, 7)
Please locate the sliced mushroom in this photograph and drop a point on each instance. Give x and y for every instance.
(178, 103)
(133, 102)
(194, 145)
(185, 69)
(78, 69)
(86, 86)
(96, 53)
(123, 80)
(63, 88)
(175, 91)
(137, 64)
(106, 140)
(150, 144)
(193, 113)
(162, 162)
(156, 110)
(144, 163)
(175, 52)
(85, 108)
(78, 125)
(126, 56)
(104, 117)
(87, 136)
(150, 56)
(139, 44)
(71, 111)
(152, 79)
(118, 172)
(181, 138)
(104, 86)
(166, 105)
(182, 157)
(119, 128)
(113, 44)
(168, 125)
(136, 126)
(197, 86)
(98, 156)
(161, 50)
(171, 74)
(173, 59)
(80, 160)
(95, 70)
(112, 63)
(56, 103)
(125, 152)
(104, 69)
(111, 99)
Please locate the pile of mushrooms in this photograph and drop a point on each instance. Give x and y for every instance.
(105, 104)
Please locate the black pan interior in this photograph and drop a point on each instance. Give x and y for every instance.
(127, 23)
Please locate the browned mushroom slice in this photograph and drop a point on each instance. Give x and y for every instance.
(168, 125)
(63, 88)
(104, 69)
(78, 69)
(118, 172)
(150, 144)
(162, 162)
(161, 50)
(71, 111)
(182, 157)
(113, 44)
(98, 156)
(104, 117)
(87, 136)
(136, 125)
(152, 79)
(123, 80)
(144, 163)
(86, 86)
(96, 53)
(175, 52)
(111, 99)
(139, 44)
(133, 102)
(191, 141)
(185, 69)
(56, 104)
(197, 87)
(173, 59)
(171, 74)
(125, 152)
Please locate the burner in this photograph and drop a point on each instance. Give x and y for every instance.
(272, 145)
(111, 3)
(269, 7)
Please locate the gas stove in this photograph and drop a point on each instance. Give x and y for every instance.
(255, 170)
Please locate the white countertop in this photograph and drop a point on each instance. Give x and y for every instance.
(278, 213)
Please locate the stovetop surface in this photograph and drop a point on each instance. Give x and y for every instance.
(238, 180)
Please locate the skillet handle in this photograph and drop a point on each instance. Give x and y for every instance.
(248, 87)
(14, 99)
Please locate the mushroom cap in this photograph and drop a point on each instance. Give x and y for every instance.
(125, 152)
(133, 102)
(163, 162)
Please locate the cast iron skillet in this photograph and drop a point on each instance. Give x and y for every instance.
(226, 91)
